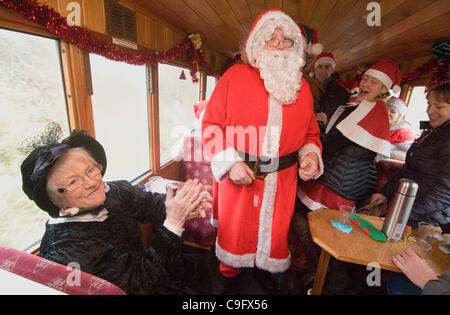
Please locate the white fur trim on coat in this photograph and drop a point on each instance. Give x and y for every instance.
(311, 147)
(222, 162)
(308, 202)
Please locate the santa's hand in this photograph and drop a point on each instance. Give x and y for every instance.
(241, 174)
(309, 166)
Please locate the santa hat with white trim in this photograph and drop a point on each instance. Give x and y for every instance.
(264, 26)
(398, 104)
(323, 57)
(388, 73)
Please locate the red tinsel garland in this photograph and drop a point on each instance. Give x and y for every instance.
(57, 25)
(440, 69)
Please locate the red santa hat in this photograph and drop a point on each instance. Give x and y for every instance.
(398, 104)
(314, 47)
(322, 58)
(264, 26)
(388, 73)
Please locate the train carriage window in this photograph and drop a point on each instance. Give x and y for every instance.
(32, 102)
(120, 109)
(177, 95)
(417, 108)
(210, 85)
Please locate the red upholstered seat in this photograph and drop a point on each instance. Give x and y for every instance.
(386, 169)
(194, 165)
(56, 276)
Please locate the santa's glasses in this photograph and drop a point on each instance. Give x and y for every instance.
(275, 42)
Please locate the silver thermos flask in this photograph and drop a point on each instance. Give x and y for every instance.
(400, 209)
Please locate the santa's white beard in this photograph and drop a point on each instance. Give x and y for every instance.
(281, 72)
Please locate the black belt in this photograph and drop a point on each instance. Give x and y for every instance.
(262, 165)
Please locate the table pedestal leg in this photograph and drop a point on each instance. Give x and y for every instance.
(321, 272)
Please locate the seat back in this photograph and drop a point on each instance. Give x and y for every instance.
(199, 230)
(67, 279)
(386, 169)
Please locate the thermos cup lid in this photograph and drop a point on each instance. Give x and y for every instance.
(407, 187)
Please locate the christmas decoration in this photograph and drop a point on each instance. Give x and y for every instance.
(83, 38)
(438, 62)
(368, 228)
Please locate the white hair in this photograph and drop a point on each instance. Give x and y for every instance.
(265, 27)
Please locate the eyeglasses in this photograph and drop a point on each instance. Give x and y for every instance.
(274, 42)
(78, 181)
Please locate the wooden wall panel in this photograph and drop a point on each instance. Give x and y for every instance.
(152, 32)
(405, 38)
(256, 7)
(94, 15)
(291, 7)
(306, 11)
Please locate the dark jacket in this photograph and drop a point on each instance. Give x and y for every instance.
(349, 169)
(333, 97)
(114, 249)
(428, 163)
(441, 286)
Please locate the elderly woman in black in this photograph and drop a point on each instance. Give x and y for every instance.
(95, 224)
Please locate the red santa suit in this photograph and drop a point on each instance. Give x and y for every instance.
(401, 137)
(253, 220)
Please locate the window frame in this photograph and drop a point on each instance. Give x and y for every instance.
(75, 68)
(201, 97)
(78, 87)
(17, 25)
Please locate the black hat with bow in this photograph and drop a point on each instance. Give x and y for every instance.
(39, 162)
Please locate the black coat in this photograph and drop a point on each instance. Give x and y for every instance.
(114, 249)
(428, 163)
(349, 169)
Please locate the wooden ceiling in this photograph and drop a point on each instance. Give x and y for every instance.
(408, 27)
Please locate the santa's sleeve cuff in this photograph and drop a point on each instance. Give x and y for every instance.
(311, 147)
(222, 162)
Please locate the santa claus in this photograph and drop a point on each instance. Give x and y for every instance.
(259, 130)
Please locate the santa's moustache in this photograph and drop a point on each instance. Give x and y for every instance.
(281, 72)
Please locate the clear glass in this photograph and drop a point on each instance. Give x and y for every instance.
(32, 102)
(210, 85)
(120, 108)
(176, 113)
(417, 109)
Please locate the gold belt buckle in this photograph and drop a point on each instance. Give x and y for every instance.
(256, 171)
